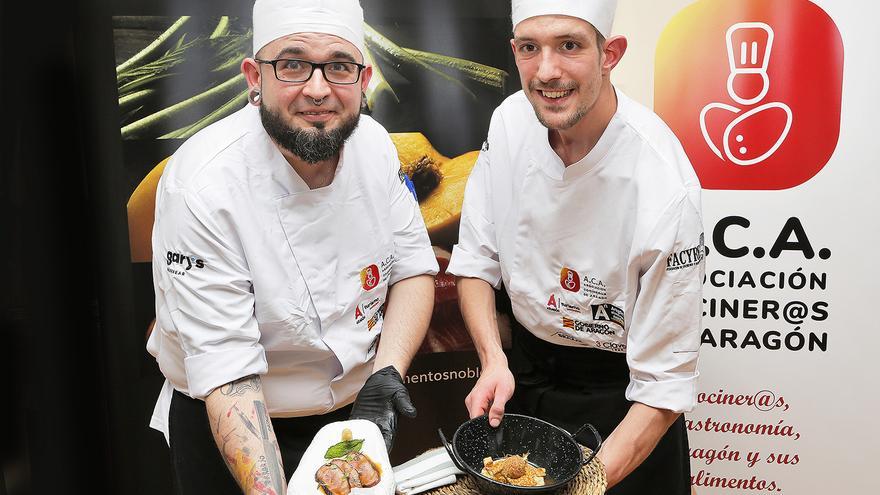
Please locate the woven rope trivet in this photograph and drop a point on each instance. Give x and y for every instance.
(590, 481)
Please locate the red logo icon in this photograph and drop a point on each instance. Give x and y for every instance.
(570, 280)
(358, 314)
(370, 277)
(551, 303)
(752, 89)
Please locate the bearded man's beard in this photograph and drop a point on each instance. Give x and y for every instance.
(310, 145)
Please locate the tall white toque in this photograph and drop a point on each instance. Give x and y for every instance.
(599, 13)
(276, 18)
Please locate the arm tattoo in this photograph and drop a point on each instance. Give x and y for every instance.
(242, 385)
(250, 426)
(271, 463)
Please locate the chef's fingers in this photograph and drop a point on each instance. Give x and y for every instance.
(477, 402)
(503, 392)
(404, 404)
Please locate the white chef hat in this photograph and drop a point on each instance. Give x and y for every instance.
(276, 18)
(599, 13)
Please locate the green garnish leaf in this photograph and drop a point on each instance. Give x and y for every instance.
(343, 448)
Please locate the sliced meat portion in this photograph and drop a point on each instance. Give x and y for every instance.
(332, 480)
(367, 471)
(354, 480)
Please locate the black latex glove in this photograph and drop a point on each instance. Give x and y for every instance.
(379, 401)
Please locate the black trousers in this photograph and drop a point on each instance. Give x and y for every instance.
(571, 386)
(196, 464)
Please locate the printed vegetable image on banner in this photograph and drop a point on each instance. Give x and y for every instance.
(752, 89)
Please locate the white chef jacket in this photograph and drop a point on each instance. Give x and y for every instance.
(254, 273)
(605, 253)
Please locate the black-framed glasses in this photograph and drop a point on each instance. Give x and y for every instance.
(296, 71)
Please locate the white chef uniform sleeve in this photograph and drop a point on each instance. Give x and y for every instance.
(664, 337)
(412, 247)
(206, 285)
(476, 254)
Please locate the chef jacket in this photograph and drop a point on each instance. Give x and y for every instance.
(254, 273)
(605, 253)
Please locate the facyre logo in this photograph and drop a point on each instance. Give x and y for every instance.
(687, 257)
(752, 89)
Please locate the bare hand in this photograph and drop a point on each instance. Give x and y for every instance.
(490, 394)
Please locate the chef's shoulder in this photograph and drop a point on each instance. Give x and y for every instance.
(514, 119)
(511, 130)
(371, 146)
(212, 157)
(665, 160)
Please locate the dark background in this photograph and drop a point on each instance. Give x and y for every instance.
(80, 386)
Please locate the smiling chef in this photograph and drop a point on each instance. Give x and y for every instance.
(286, 242)
(585, 208)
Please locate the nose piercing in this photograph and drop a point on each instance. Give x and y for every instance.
(255, 96)
(317, 102)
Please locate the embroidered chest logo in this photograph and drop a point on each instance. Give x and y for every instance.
(376, 318)
(370, 277)
(608, 312)
(569, 280)
(362, 309)
(595, 287)
(587, 326)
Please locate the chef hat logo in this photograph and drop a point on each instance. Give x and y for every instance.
(276, 18)
(599, 13)
(370, 277)
(569, 280)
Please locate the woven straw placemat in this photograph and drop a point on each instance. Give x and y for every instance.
(590, 481)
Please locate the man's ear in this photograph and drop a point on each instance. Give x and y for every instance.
(251, 70)
(366, 75)
(613, 50)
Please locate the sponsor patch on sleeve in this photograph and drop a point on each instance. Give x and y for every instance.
(180, 263)
(687, 257)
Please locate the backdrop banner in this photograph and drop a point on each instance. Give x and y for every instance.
(772, 102)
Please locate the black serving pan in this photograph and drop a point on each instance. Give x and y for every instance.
(548, 446)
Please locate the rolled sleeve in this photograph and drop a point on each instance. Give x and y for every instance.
(205, 301)
(664, 340)
(412, 246)
(476, 254)
(209, 370)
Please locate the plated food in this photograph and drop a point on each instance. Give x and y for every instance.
(514, 470)
(347, 468)
(344, 458)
